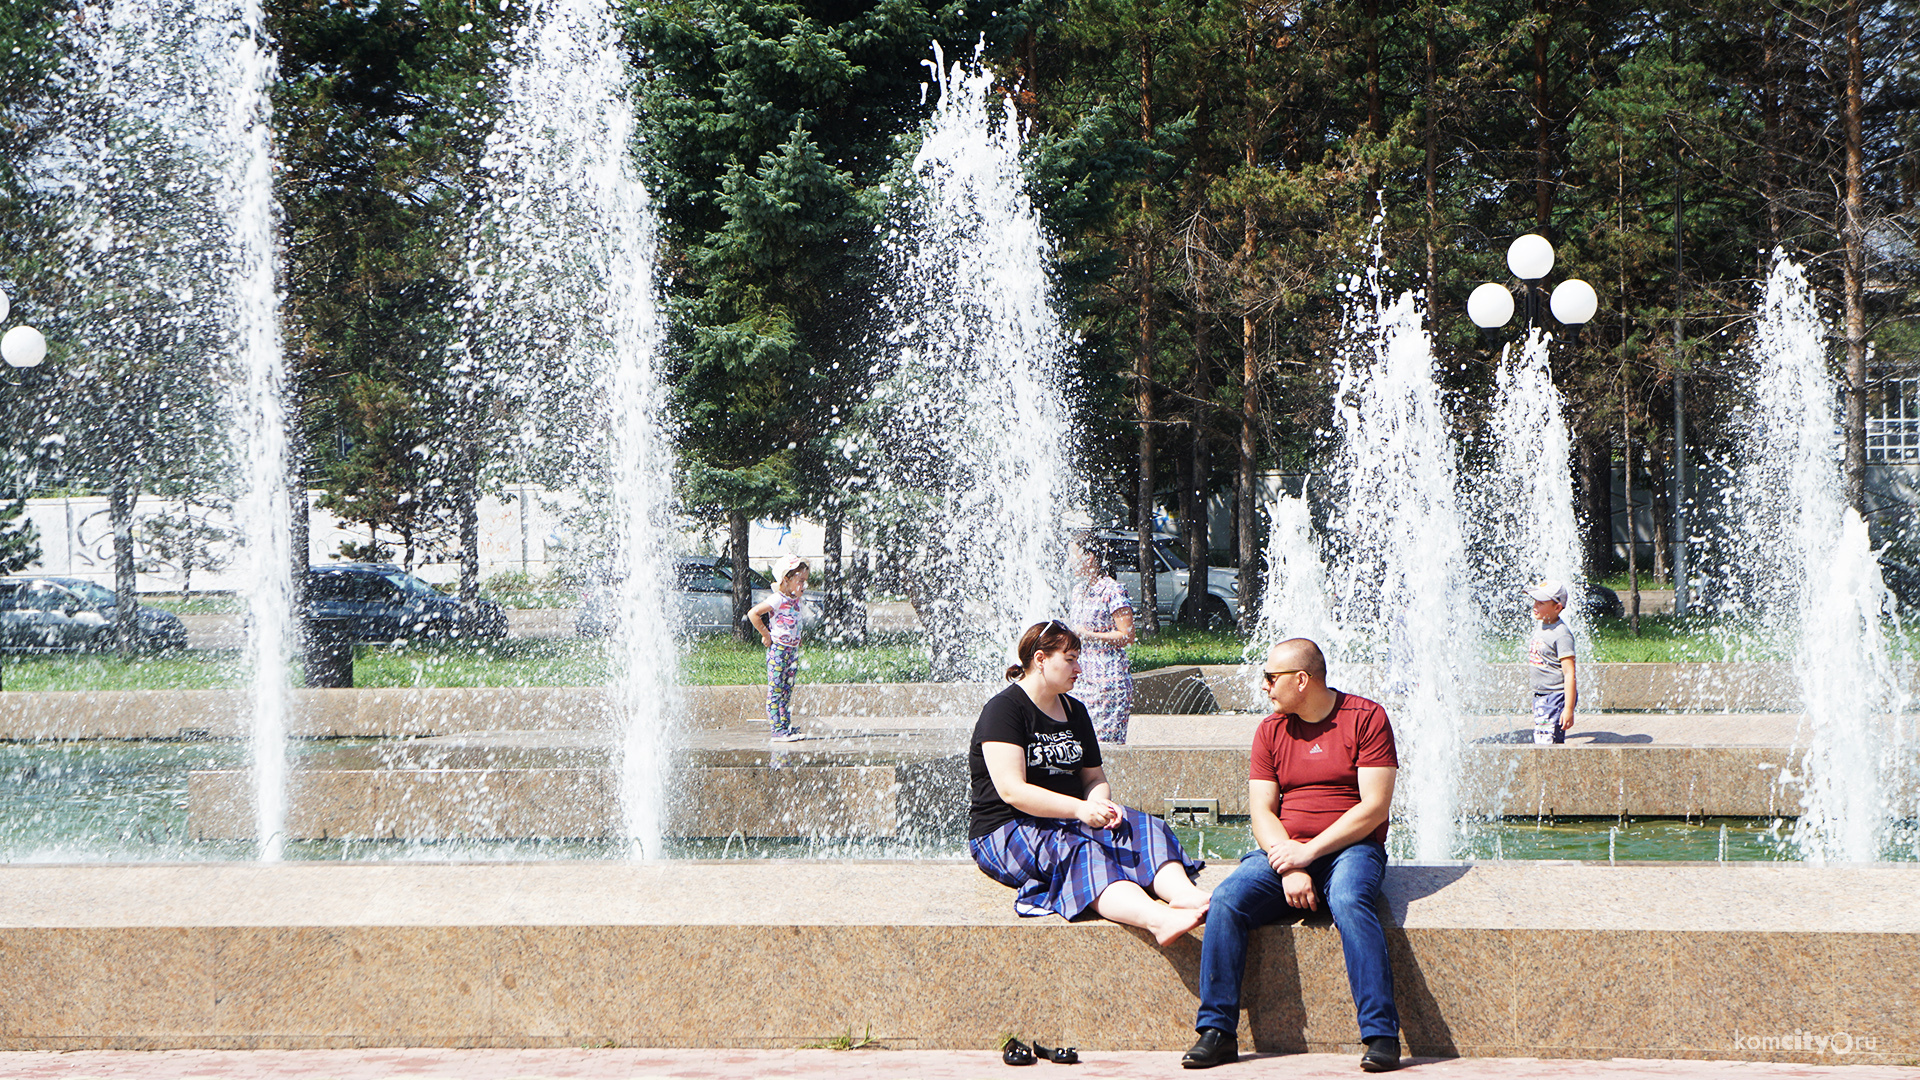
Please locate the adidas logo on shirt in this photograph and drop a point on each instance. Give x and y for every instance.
(1315, 750)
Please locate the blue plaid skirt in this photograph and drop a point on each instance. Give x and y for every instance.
(1061, 866)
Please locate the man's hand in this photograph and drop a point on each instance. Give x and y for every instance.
(1287, 855)
(1099, 813)
(1298, 885)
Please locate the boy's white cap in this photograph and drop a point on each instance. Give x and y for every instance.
(1549, 589)
(786, 564)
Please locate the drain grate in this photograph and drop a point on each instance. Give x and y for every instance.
(1192, 811)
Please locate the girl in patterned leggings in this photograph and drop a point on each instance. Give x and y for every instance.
(778, 620)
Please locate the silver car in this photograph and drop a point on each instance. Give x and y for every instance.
(702, 596)
(1220, 605)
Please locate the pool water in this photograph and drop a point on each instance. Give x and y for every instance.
(126, 801)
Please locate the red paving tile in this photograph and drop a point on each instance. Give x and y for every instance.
(851, 1065)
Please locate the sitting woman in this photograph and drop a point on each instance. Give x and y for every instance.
(1041, 820)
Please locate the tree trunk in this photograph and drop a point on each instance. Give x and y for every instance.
(1376, 117)
(1770, 138)
(468, 510)
(1542, 153)
(1658, 507)
(742, 583)
(1681, 601)
(1430, 168)
(126, 609)
(1633, 529)
(1243, 486)
(1146, 616)
(1853, 237)
(1596, 493)
(845, 622)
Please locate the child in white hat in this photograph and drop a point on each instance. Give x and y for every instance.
(1550, 663)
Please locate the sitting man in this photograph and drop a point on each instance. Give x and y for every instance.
(1320, 787)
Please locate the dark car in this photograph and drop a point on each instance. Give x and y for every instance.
(1602, 602)
(381, 602)
(73, 614)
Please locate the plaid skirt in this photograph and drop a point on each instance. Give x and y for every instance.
(1062, 866)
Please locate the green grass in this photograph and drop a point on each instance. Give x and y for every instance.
(199, 603)
(65, 671)
(1179, 646)
(508, 662)
(720, 660)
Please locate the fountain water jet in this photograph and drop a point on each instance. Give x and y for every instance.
(973, 422)
(259, 414)
(561, 286)
(1294, 602)
(1525, 493)
(1808, 571)
(1397, 554)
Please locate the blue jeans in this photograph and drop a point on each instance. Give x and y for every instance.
(1348, 882)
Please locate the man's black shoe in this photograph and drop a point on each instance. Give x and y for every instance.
(1383, 1054)
(1214, 1047)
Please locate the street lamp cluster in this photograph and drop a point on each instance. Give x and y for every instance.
(1530, 257)
(21, 346)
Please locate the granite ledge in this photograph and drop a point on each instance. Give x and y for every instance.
(1731, 898)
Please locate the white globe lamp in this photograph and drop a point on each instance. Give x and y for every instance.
(1573, 302)
(6, 305)
(1490, 306)
(1530, 257)
(23, 347)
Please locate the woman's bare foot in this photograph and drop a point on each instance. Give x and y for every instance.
(1172, 923)
(1198, 901)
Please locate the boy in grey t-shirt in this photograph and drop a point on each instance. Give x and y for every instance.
(1550, 665)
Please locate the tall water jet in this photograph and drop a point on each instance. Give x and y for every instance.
(1294, 602)
(163, 174)
(562, 322)
(1807, 572)
(1397, 553)
(262, 509)
(970, 418)
(1524, 491)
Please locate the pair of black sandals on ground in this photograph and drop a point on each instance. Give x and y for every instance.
(1016, 1052)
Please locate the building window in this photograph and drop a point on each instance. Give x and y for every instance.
(1893, 422)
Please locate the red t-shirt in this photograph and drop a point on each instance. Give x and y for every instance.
(1318, 765)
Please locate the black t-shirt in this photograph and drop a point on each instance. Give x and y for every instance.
(1056, 752)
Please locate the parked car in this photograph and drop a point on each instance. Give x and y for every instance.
(702, 596)
(381, 602)
(1221, 604)
(74, 614)
(1602, 602)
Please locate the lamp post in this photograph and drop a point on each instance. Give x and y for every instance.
(1530, 257)
(21, 347)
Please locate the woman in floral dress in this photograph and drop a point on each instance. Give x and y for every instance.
(1102, 614)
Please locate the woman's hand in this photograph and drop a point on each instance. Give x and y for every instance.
(1098, 813)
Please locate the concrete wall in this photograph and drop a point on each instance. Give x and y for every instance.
(1526, 960)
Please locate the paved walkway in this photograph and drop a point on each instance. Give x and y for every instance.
(841, 1065)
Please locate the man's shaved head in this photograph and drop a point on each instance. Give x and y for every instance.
(1298, 654)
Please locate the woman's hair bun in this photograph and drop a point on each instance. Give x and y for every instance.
(1042, 637)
